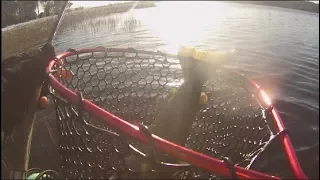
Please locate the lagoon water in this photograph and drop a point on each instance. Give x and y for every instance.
(277, 47)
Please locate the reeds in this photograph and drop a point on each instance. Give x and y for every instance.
(22, 37)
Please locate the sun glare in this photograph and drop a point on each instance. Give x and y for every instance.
(185, 22)
(266, 98)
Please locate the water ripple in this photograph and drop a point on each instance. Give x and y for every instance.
(278, 47)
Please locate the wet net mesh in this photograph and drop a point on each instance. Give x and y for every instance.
(131, 85)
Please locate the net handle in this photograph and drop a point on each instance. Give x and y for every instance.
(284, 137)
(200, 160)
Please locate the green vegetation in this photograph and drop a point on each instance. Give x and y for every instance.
(77, 17)
(14, 12)
(34, 33)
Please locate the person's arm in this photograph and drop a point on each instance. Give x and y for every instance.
(22, 79)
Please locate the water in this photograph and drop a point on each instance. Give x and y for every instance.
(279, 48)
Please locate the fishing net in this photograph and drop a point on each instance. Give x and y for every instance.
(232, 125)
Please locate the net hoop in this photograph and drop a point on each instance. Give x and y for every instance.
(197, 159)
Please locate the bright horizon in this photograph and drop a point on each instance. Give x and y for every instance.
(93, 3)
(102, 3)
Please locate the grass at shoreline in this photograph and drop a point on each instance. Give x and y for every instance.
(21, 37)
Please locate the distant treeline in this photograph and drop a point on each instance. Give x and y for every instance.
(298, 5)
(14, 12)
(35, 33)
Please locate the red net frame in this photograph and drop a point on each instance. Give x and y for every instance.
(197, 159)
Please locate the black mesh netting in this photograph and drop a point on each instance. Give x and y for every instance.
(132, 85)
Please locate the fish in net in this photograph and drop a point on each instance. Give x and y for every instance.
(138, 86)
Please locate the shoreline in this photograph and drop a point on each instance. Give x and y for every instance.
(304, 6)
(38, 30)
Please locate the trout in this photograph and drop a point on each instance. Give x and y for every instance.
(178, 112)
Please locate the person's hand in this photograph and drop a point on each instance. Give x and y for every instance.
(21, 78)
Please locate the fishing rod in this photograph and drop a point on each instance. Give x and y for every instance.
(58, 22)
